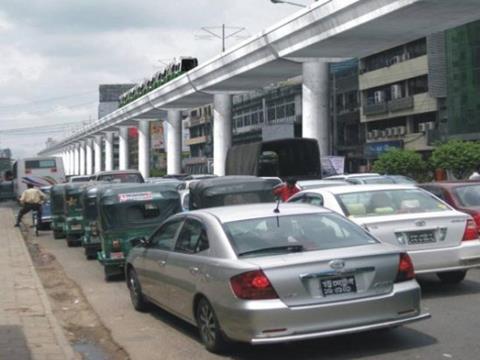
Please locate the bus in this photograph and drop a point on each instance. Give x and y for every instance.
(38, 171)
(295, 157)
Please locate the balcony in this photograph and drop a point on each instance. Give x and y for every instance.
(198, 120)
(375, 109)
(401, 104)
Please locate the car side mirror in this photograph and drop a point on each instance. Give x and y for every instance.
(139, 241)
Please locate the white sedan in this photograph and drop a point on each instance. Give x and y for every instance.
(439, 238)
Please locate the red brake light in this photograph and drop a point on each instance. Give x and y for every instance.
(253, 285)
(476, 218)
(405, 268)
(471, 231)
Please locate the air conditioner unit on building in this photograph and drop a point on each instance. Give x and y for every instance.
(430, 125)
(401, 130)
(396, 91)
(369, 135)
(375, 133)
(379, 97)
(389, 132)
(382, 134)
(422, 127)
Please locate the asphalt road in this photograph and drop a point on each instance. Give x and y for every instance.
(451, 333)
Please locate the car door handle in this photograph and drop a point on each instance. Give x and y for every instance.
(194, 270)
(161, 263)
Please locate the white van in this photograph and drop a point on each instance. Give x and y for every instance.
(38, 171)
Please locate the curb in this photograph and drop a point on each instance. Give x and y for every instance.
(57, 329)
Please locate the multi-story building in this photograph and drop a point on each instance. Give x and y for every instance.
(199, 125)
(348, 135)
(269, 114)
(397, 107)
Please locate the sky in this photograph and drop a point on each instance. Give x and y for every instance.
(55, 53)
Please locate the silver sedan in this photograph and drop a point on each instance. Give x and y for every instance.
(253, 274)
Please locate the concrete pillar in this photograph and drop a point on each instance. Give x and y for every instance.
(174, 142)
(81, 149)
(315, 122)
(222, 131)
(123, 148)
(76, 158)
(97, 148)
(109, 151)
(72, 160)
(63, 155)
(89, 157)
(144, 148)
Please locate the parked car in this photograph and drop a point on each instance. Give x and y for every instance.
(462, 195)
(231, 190)
(128, 211)
(119, 176)
(46, 210)
(248, 274)
(57, 206)
(439, 238)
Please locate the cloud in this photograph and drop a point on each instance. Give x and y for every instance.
(55, 53)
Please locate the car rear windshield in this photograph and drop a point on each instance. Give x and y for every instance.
(389, 202)
(121, 178)
(468, 196)
(294, 233)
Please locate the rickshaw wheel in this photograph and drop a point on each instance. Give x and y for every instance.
(138, 300)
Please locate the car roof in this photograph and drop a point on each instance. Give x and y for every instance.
(251, 211)
(362, 188)
(113, 172)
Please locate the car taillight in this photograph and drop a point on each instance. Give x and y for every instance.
(471, 231)
(405, 268)
(116, 245)
(253, 285)
(476, 218)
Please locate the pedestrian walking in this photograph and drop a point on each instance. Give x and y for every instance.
(31, 199)
(287, 189)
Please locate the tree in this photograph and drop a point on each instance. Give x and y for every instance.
(401, 162)
(460, 157)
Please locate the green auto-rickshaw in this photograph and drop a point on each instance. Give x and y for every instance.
(128, 212)
(90, 238)
(74, 226)
(57, 203)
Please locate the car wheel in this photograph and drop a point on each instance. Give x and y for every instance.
(452, 277)
(209, 328)
(136, 295)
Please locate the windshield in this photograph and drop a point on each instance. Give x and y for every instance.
(468, 196)
(131, 214)
(121, 178)
(294, 233)
(389, 202)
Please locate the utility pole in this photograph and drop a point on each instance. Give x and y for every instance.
(222, 32)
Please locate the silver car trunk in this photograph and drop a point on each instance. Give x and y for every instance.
(317, 277)
(421, 231)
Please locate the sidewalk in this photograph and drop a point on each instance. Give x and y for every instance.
(28, 329)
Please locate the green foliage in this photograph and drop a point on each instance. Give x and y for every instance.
(401, 162)
(154, 172)
(460, 157)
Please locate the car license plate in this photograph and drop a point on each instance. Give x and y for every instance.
(421, 237)
(76, 227)
(116, 255)
(338, 286)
